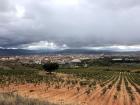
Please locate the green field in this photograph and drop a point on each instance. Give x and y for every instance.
(89, 76)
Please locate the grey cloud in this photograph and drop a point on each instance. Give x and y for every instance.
(91, 23)
(4, 5)
(117, 4)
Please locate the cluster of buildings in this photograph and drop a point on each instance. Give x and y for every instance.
(38, 59)
(67, 60)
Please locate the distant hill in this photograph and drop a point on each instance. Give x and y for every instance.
(105, 52)
(83, 51)
(8, 52)
(4, 52)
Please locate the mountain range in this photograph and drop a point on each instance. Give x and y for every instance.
(13, 52)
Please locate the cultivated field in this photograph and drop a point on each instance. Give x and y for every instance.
(114, 85)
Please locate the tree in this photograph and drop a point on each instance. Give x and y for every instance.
(50, 67)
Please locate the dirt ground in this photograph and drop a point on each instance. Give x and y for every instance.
(72, 96)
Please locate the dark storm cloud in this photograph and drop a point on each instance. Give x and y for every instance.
(78, 23)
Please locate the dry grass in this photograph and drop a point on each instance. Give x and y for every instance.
(11, 99)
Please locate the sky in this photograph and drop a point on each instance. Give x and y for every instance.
(62, 24)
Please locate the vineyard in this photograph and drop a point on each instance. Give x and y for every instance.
(74, 86)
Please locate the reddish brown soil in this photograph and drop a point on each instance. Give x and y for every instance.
(73, 97)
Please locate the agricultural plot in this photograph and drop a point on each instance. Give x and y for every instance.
(74, 86)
